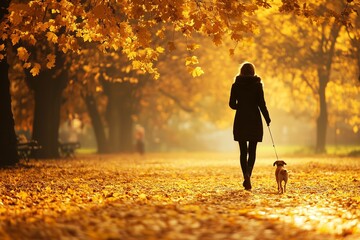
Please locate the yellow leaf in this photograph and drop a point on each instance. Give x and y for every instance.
(76, 179)
(115, 46)
(191, 60)
(50, 61)
(2, 47)
(160, 49)
(52, 28)
(2, 57)
(51, 37)
(23, 54)
(132, 55)
(14, 38)
(22, 195)
(36, 69)
(192, 47)
(142, 196)
(87, 37)
(42, 26)
(136, 64)
(197, 72)
(15, 18)
(27, 65)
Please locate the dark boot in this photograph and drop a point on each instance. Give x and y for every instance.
(247, 183)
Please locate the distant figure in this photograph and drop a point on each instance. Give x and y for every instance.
(75, 127)
(140, 139)
(247, 98)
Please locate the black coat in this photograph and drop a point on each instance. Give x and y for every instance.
(247, 98)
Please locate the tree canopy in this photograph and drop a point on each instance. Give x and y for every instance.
(141, 36)
(132, 27)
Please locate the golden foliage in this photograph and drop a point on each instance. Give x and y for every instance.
(129, 26)
(178, 196)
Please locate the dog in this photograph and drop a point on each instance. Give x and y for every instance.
(281, 174)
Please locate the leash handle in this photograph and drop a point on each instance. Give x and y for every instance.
(272, 140)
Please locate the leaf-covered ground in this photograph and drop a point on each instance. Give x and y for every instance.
(179, 196)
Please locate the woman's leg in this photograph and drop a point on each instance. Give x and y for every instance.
(252, 157)
(243, 157)
(244, 164)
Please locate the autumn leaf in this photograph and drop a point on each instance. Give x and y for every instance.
(217, 38)
(50, 61)
(15, 18)
(26, 65)
(160, 49)
(136, 64)
(52, 37)
(197, 72)
(23, 54)
(53, 11)
(36, 69)
(14, 38)
(191, 60)
(192, 47)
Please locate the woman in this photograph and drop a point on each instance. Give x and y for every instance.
(247, 98)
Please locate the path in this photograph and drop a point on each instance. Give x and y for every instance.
(178, 196)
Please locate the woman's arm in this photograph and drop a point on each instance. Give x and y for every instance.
(233, 101)
(262, 106)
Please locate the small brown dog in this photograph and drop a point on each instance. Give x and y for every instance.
(281, 174)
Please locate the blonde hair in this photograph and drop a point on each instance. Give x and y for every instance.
(247, 69)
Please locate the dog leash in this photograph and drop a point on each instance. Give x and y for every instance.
(277, 158)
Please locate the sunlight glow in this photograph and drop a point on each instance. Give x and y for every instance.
(324, 219)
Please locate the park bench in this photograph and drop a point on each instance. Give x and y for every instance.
(27, 149)
(68, 149)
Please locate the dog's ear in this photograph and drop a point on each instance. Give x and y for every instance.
(284, 162)
(274, 163)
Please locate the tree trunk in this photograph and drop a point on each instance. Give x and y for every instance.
(8, 153)
(98, 126)
(48, 88)
(322, 120)
(323, 72)
(126, 127)
(119, 111)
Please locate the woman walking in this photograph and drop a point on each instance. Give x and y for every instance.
(247, 98)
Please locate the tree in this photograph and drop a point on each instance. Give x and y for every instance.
(48, 87)
(8, 153)
(304, 52)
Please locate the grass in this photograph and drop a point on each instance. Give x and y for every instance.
(306, 151)
(286, 151)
